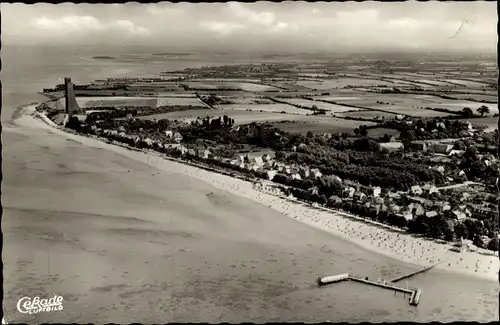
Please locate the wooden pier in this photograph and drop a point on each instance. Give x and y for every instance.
(414, 293)
(381, 285)
(406, 276)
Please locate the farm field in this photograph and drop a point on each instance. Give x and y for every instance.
(467, 83)
(321, 105)
(490, 122)
(368, 114)
(342, 82)
(326, 125)
(380, 132)
(178, 101)
(335, 98)
(313, 75)
(435, 82)
(245, 86)
(116, 101)
(273, 108)
(240, 116)
(459, 105)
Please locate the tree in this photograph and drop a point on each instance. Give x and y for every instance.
(73, 123)
(356, 131)
(493, 244)
(467, 112)
(461, 231)
(478, 241)
(483, 110)
(363, 131)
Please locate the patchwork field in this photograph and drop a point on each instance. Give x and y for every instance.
(459, 105)
(116, 101)
(342, 82)
(469, 84)
(380, 132)
(368, 114)
(490, 122)
(273, 108)
(321, 105)
(325, 125)
(245, 86)
(336, 98)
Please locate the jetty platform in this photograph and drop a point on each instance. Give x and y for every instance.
(414, 293)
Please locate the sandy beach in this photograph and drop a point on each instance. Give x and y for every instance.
(392, 243)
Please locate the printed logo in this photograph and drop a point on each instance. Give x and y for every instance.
(27, 305)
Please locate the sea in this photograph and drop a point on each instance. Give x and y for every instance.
(27, 70)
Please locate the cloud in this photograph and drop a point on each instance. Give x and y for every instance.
(221, 28)
(265, 19)
(87, 24)
(156, 9)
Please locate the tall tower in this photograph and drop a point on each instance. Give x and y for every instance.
(71, 104)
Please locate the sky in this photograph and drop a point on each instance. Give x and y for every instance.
(258, 27)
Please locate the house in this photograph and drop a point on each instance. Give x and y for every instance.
(296, 176)
(271, 174)
(416, 190)
(204, 153)
(267, 157)
(419, 145)
(457, 153)
(419, 209)
(257, 161)
(169, 134)
(376, 191)
(433, 189)
(394, 208)
(392, 139)
(191, 152)
(408, 212)
(431, 214)
(440, 169)
(314, 190)
(465, 196)
(392, 146)
(316, 173)
(443, 148)
(336, 178)
(394, 195)
(240, 159)
(304, 172)
(350, 191)
(441, 125)
(334, 199)
(359, 195)
(459, 215)
(177, 137)
(148, 141)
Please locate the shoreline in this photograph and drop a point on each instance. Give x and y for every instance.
(395, 244)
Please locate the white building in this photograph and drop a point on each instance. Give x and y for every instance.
(416, 190)
(376, 191)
